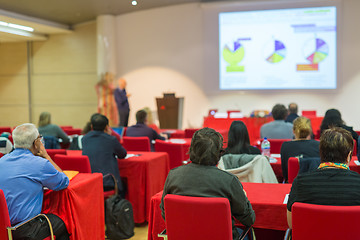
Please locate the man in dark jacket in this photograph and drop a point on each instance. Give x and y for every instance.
(103, 150)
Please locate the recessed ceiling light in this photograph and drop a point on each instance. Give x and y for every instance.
(134, 3)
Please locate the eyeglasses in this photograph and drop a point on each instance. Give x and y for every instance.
(41, 139)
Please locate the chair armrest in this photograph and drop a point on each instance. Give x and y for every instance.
(287, 234)
(245, 232)
(39, 215)
(163, 234)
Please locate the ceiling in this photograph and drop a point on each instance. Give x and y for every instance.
(56, 16)
(71, 12)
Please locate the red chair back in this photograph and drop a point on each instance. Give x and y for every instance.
(275, 145)
(176, 152)
(4, 217)
(136, 144)
(75, 163)
(308, 113)
(73, 131)
(53, 152)
(5, 129)
(313, 222)
(189, 132)
(293, 168)
(185, 218)
(65, 127)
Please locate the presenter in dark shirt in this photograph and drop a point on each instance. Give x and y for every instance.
(103, 150)
(301, 146)
(142, 130)
(332, 183)
(239, 141)
(122, 103)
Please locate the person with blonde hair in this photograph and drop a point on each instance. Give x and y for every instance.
(47, 129)
(301, 146)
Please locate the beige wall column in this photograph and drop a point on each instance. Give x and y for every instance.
(106, 44)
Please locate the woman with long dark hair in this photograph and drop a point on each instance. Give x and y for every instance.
(239, 141)
(332, 119)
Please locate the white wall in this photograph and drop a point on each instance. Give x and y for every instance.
(162, 50)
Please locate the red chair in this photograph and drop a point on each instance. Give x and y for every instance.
(189, 132)
(275, 145)
(185, 218)
(65, 127)
(73, 131)
(5, 129)
(293, 168)
(136, 144)
(313, 222)
(176, 152)
(5, 226)
(53, 152)
(308, 113)
(75, 163)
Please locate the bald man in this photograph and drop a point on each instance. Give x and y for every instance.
(293, 110)
(121, 99)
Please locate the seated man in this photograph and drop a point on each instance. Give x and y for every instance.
(103, 150)
(278, 129)
(202, 178)
(142, 130)
(332, 183)
(293, 110)
(23, 174)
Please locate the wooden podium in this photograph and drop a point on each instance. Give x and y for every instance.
(170, 111)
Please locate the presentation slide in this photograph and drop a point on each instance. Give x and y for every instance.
(278, 49)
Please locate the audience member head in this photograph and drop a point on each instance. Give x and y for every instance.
(141, 116)
(149, 116)
(302, 128)
(25, 135)
(44, 119)
(238, 138)
(293, 108)
(205, 148)
(99, 122)
(332, 118)
(87, 128)
(279, 112)
(336, 145)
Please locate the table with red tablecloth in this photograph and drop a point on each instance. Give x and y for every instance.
(266, 199)
(173, 133)
(253, 124)
(80, 206)
(145, 175)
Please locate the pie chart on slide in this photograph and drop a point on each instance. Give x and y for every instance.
(275, 51)
(316, 50)
(233, 53)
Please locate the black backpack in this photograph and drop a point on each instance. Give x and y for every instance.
(119, 217)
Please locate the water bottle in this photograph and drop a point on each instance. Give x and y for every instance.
(265, 148)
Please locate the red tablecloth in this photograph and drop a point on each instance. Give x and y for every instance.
(253, 124)
(145, 176)
(266, 200)
(80, 206)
